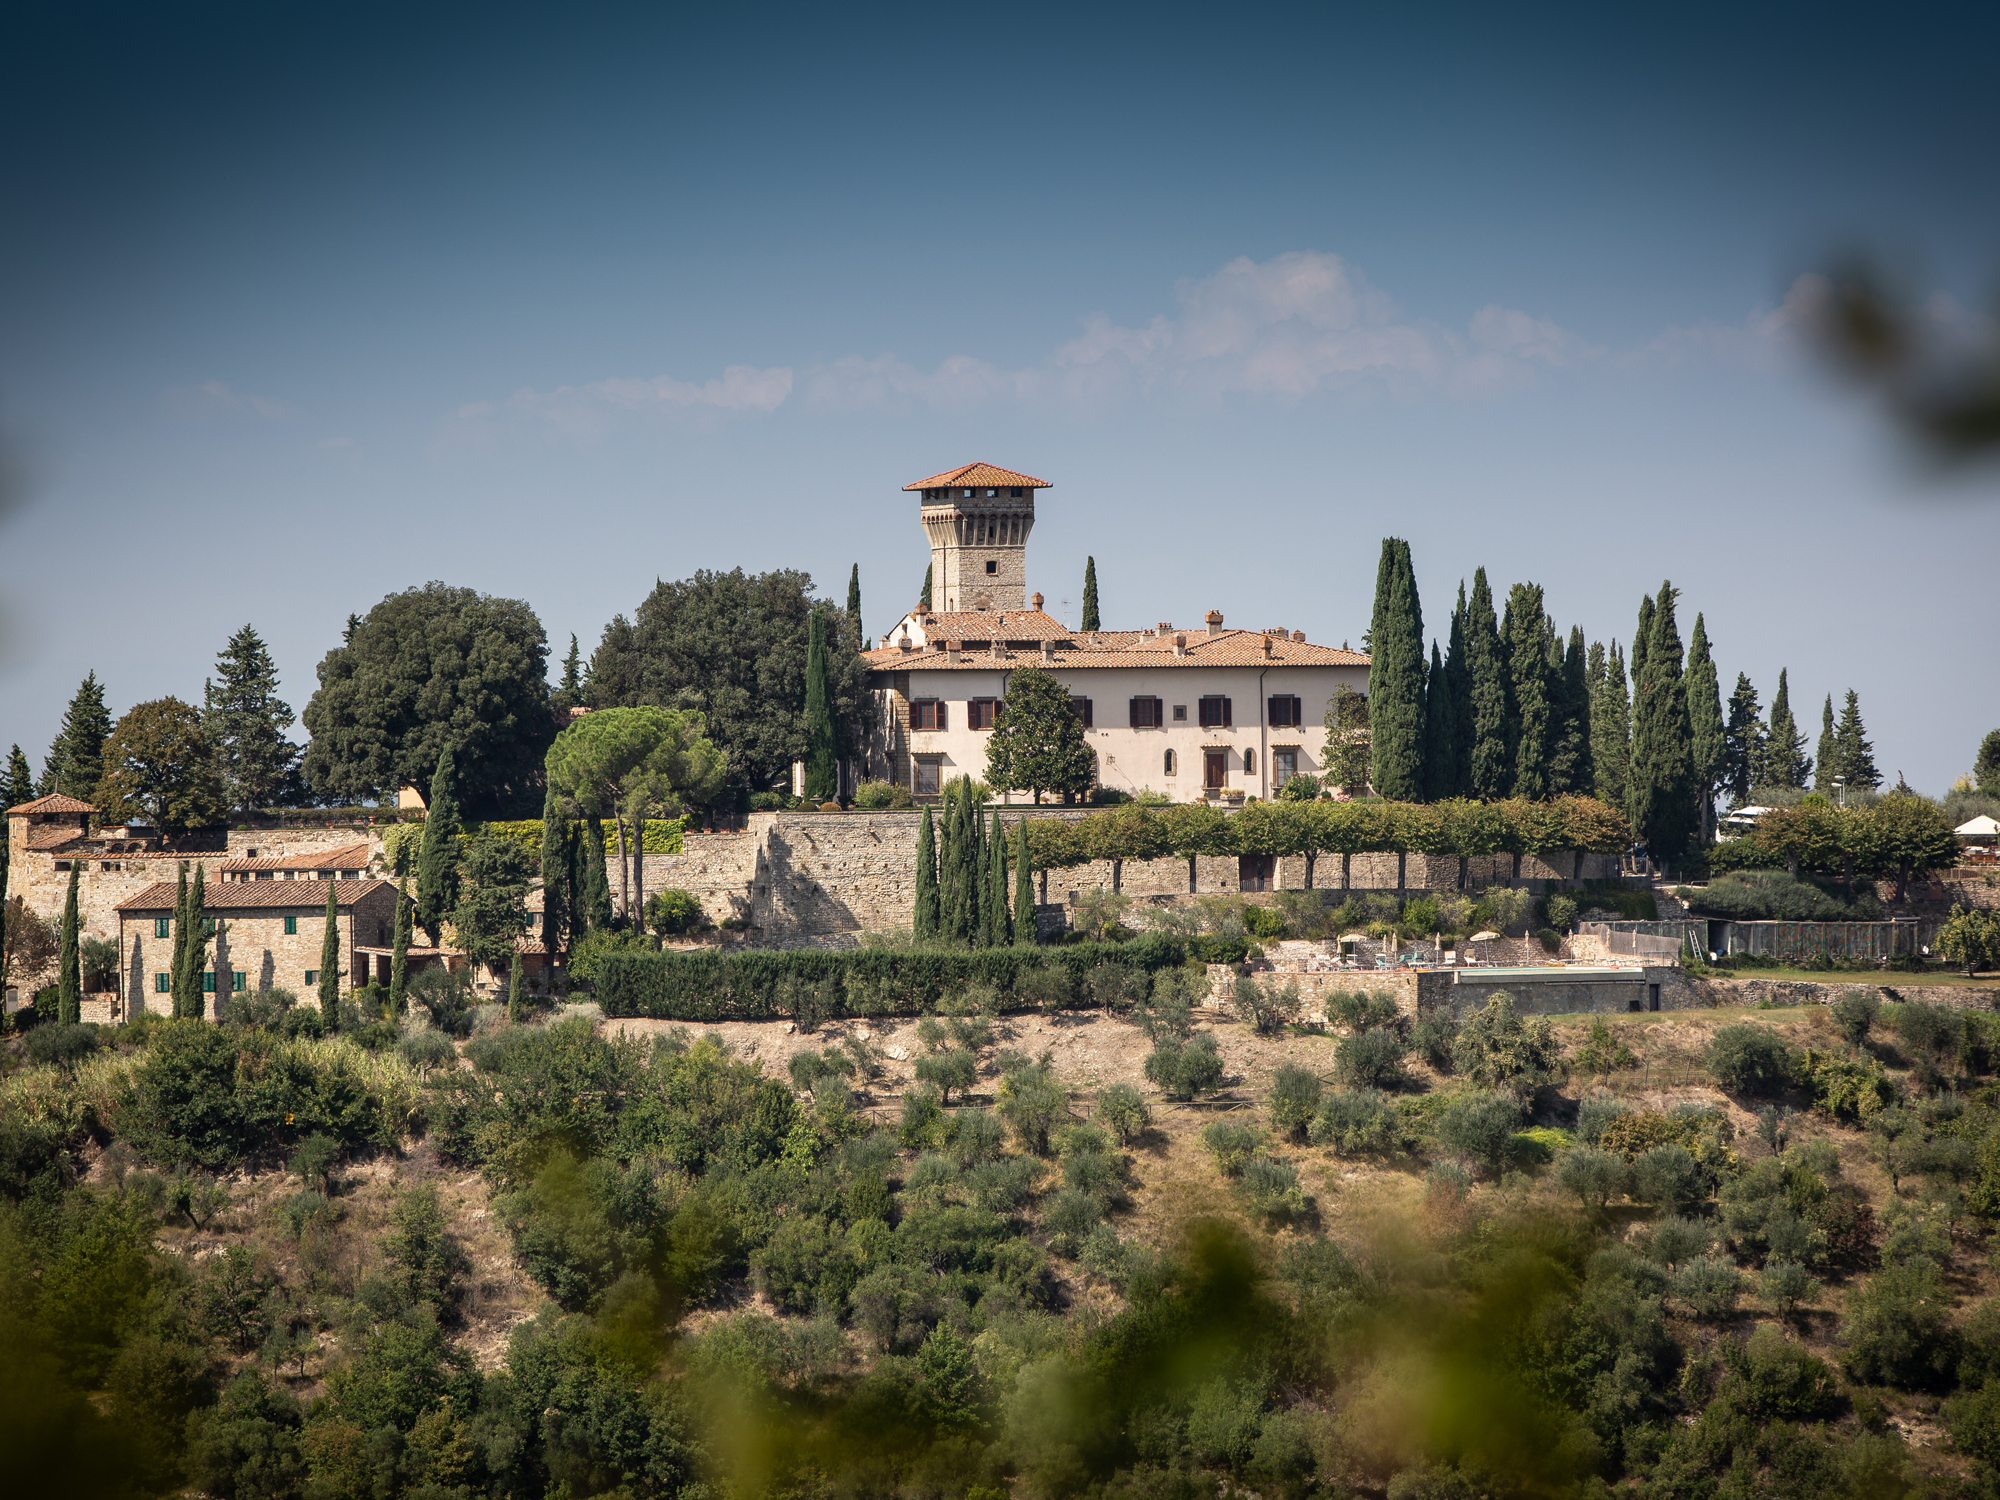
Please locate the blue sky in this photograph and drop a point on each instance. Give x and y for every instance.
(298, 312)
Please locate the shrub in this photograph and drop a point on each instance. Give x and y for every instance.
(1750, 1060)
(1929, 1031)
(1231, 1144)
(1481, 1125)
(1594, 1176)
(1184, 1069)
(1031, 1099)
(1371, 1059)
(185, 1102)
(948, 1070)
(1668, 1176)
(1675, 1241)
(1773, 895)
(1855, 1089)
(1562, 912)
(1595, 1114)
(1550, 939)
(1122, 1108)
(314, 1160)
(1420, 915)
(62, 1046)
(1267, 1008)
(1434, 1036)
(427, 1049)
(1603, 1053)
(1360, 1011)
(1069, 1216)
(1787, 1286)
(1294, 1099)
(672, 912)
(1271, 1192)
(1782, 1379)
(1707, 1287)
(880, 796)
(1854, 1013)
(1973, 1420)
(1357, 1122)
(1498, 1049)
(1895, 1331)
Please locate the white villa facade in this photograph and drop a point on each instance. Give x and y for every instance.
(1214, 712)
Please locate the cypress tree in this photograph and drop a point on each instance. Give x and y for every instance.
(953, 920)
(1663, 775)
(1742, 742)
(1530, 718)
(1570, 760)
(197, 949)
(437, 858)
(1492, 774)
(596, 884)
(69, 991)
(1642, 641)
(75, 761)
(1440, 732)
(399, 956)
(514, 1009)
(1090, 616)
(999, 931)
(925, 597)
(859, 636)
(1024, 888)
(1786, 764)
(973, 871)
(822, 770)
(572, 676)
(1826, 759)
(1851, 746)
(1458, 680)
(1705, 727)
(1396, 678)
(555, 875)
(926, 916)
(1611, 729)
(177, 961)
(329, 962)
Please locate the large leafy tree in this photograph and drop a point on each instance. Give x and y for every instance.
(429, 669)
(1038, 746)
(1909, 835)
(76, 760)
(246, 722)
(159, 766)
(732, 647)
(1491, 772)
(1664, 788)
(1396, 677)
(1742, 741)
(492, 909)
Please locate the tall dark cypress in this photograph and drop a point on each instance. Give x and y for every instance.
(1090, 616)
(993, 902)
(1440, 732)
(1458, 678)
(925, 597)
(69, 981)
(859, 636)
(329, 961)
(925, 923)
(177, 962)
(974, 869)
(516, 1012)
(437, 856)
(399, 956)
(1742, 742)
(1786, 764)
(194, 948)
(1611, 729)
(555, 875)
(1570, 762)
(953, 857)
(1396, 678)
(1663, 774)
(822, 769)
(1024, 887)
(1705, 728)
(596, 876)
(1530, 720)
(1492, 774)
(1826, 760)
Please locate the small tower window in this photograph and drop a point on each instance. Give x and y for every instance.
(1170, 763)
(992, 566)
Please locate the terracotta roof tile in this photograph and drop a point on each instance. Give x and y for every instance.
(349, 857)
(306, 895)
(1131, 648)
(48, 843)
(975, 476)
(994, 624)
(55, 802)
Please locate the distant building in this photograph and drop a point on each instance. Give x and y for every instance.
(1191, 714)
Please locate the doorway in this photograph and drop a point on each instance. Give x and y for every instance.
(1256, 872)
(1214, 768)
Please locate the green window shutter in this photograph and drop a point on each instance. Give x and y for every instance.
(291, 926)
(237, 980)
(163, 984)
(208, 982)
(162, 927)
(312, 976)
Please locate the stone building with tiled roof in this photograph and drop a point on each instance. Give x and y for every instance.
(1210, 712)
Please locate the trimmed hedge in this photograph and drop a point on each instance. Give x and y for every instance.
(765, 983)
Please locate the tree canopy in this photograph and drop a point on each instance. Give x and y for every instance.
(159, 768)
(76, 758)
(431, 669)
(732, 646)
(246, 721)
(1037, 745)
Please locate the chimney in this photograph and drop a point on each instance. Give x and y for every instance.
(1035, 600)
(951, 650)
(1180, 644)
(1299, 636)
(906, 644)
(1267, 645)
(996, 648)
(1163, 627)
(1048, 650)
(921, 609)
(1214, 619)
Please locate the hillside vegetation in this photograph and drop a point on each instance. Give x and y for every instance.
(1130, 1252)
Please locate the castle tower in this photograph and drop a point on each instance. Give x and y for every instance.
(978, 519)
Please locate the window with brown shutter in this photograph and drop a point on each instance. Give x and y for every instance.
(927, 713)
(981, 712)
(1082, 707)
(1285, 712)
(1146, 713)
(1215, 713)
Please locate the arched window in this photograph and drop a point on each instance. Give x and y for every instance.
(1169, 763)
(1249, 762)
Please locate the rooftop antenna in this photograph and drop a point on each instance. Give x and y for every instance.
(1064, 622)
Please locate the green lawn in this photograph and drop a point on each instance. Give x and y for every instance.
(1862, 976)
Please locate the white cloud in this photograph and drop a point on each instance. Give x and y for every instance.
(1767, 338)
(214, 396)
(584, 411)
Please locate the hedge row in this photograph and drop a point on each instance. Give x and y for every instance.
(761, 984)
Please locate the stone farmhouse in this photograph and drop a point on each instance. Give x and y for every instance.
(1211, 713)
(268, 934)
